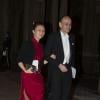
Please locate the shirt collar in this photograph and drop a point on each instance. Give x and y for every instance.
(64, 35)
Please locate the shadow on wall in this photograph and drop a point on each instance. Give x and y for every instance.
(48, 27)
(6, 52)
(76, 27)
(99, 52)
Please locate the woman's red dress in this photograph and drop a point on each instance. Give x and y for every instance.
(33, 84)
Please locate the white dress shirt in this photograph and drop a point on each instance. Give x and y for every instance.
(66, 47)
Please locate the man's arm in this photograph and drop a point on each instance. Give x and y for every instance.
(48, 47)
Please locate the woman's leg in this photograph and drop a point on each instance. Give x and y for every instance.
(33, 87)
(25, 95)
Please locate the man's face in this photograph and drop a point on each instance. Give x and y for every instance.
(65, 25)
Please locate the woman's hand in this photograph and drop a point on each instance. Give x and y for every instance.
(45, 62)
(53, 56)
(29, 71)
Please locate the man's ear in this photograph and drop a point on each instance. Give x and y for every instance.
(60, 24)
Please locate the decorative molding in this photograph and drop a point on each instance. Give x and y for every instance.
(97, 6)
(40, 0)
(88, 54)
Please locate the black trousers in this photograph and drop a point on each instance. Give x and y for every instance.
(59, 84)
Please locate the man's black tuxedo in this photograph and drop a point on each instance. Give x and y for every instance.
(59, 83)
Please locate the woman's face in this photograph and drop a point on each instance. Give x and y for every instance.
(39, 31)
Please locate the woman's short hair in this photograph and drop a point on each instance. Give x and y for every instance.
(35, 24)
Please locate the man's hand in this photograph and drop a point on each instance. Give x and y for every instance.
(62, 68)
(53, 56)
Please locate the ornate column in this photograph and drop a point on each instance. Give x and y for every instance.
(54, 14)
(90, 37)
(33, 10)
(63, 10)
(3, 23)
(90, 32)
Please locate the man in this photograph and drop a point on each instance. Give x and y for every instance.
(61, 45)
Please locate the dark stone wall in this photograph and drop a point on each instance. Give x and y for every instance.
(16, 17)
(86, 22)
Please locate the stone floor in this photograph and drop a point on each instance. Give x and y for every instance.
(9, 88)
(84, 94)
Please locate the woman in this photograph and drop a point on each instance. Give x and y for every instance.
(32, 84)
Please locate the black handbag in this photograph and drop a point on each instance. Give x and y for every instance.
(27, 66)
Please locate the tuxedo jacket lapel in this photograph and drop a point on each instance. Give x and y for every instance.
(72, 48)
(60, 46)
